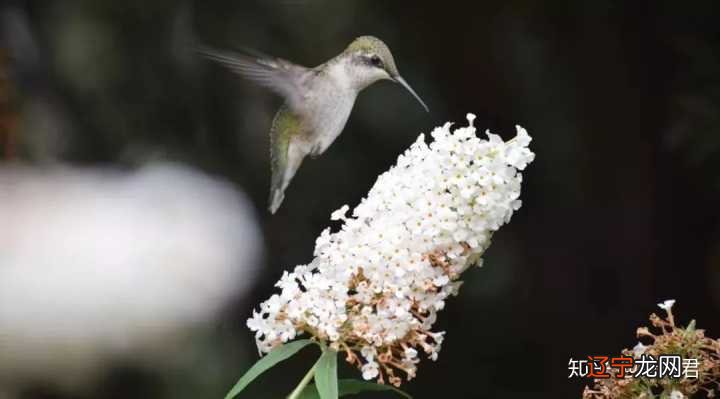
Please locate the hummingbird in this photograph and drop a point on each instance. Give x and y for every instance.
(318, 100)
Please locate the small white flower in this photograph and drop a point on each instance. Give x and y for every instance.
(471, 118)
(340, 213)
(667, 305)
(675, 394)
(639, 349)
(370, 370)
(410, 353)
(368, 352)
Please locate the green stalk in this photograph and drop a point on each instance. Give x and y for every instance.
(303, 383)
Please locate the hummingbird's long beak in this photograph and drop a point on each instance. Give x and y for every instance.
(405, 84)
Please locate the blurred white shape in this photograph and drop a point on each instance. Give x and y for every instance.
(100, 263)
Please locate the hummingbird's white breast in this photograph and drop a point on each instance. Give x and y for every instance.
(332, 100)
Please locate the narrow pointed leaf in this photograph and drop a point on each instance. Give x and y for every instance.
(351, 387)
(326, 379)
(275, 356)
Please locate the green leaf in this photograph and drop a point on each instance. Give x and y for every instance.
(351, 387)
(275, 356)
(326, 379)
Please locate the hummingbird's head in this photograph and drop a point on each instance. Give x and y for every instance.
(371, 60)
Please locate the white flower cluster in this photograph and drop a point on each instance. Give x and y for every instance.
(375, 286)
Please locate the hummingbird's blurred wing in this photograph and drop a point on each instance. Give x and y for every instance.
(281, 76)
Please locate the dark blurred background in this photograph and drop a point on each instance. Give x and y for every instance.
(620, 207)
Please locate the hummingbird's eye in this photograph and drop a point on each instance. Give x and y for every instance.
(376, 61)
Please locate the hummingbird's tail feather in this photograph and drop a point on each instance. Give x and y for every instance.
(278, 164)
(285, 155)
(283, 171)
(276, 198)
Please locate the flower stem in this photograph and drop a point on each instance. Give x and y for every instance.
(303, 383)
